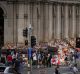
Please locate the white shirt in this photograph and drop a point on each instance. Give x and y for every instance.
(34, 56)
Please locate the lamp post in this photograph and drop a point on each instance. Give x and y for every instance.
(29, 35)
(29, 48)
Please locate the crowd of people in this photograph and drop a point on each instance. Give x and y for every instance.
(63, 53)
(11, 58)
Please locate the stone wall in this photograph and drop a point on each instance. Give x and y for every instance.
(50, 20)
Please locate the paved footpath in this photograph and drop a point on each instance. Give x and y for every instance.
(62, 70)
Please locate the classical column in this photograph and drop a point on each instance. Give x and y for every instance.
(54, 19)
(66, 27)
(20, 23)
(10, 26)
(41, 21)
(5, 29)
(38, 22)
(50, 22)
(34, 22)
(28, 12)
(58, 27)
(15, 24)
(73, 22)
(79, 23)
(25, 15)
(46, 22)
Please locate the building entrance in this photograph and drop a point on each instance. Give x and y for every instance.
(1, 27)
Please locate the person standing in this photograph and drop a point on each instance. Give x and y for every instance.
(66, 59)
(49, 60)
(9, 59)
(57, 70)
(17, 65)
(75, 70)
(34, 58)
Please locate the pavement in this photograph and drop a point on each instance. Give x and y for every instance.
(62, 70)
(50, 70)
(24, 69)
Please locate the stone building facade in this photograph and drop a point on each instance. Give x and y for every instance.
(50, 19)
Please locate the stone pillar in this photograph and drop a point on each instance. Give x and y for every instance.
(54, 26)
(5, 29)
(58, 27)
(73, 22)
(50, 22)
(66, 27)
(46, 22)
(20, 23)
(41, 21)
(9, 28)
(29, 15)
(79, 23)
(15, 24)
(38, 23)
(35, 22)
(25, 15)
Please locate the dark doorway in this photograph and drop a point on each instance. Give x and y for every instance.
(1, 27)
